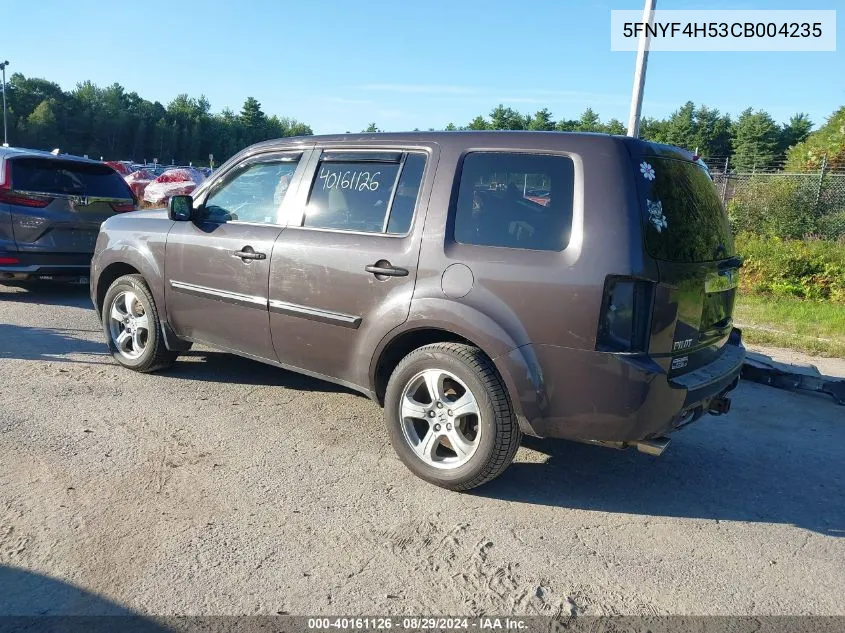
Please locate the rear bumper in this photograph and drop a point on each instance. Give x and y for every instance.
(595, 396)
(44, 265)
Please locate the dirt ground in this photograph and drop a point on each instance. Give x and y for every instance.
(224, 486)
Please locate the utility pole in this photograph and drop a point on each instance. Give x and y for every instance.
(639, 71)
(5, 131)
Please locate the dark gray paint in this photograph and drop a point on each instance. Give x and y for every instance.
(534, 313)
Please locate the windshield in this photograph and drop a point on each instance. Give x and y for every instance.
(68, 177)
(683, 215)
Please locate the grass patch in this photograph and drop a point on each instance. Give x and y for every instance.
(815, 327)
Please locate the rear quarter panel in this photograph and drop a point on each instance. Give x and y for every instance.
(524, 305)
(534, 297)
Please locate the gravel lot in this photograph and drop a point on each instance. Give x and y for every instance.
(224, 486)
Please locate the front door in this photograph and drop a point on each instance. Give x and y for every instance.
(218, 265)
(342, 275)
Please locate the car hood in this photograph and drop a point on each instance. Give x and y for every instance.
(148, 221)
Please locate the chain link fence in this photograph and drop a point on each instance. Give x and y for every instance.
(783, 204)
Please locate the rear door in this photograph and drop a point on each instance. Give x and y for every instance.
(217, 266)
(343, 272)
(57, 206)
(688, 234)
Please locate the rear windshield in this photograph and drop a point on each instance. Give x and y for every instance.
(68, 177)
(684, 217)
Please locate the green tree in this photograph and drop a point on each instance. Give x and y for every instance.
(825, 144)
(542, 120)
(371, 128)
(479, 123)
(253, 119)
(451, 127)
(41, 126)
(568, 125)
(652, 129)
(615, 126)
(502, 118)
(755, 140)
(680, 128)
(795, 131)
(712, 132)
(589, 122)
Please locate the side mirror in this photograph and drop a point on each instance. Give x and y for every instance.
(180, 208)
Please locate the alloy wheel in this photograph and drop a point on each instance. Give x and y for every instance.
(441, 420)
(129, 325)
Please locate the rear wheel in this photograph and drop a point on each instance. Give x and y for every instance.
(132, 327)
(449, 416)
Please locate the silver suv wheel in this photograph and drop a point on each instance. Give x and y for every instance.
(129, 326)
(441, 420)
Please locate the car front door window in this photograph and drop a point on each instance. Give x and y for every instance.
(253, 194)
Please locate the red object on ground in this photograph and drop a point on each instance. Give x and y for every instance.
(173, 182)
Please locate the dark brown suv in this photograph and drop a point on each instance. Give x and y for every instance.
(478, 285)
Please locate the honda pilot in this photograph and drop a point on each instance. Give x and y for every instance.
(477, 285)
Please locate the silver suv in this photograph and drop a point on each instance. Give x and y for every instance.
(51, 208)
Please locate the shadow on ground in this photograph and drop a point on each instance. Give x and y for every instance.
(39, 603)
(51, 294)
(49, 344)
(725, 472)
(211, 366)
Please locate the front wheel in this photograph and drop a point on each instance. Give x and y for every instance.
(132, 326)
(450, 417)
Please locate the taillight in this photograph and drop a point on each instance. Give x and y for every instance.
(13, 197)
(24, 200)
(9, 260)
(624, 324)
(122, 207)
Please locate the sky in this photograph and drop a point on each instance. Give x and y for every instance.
(339, 65)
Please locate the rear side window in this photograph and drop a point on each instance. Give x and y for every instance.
(370, 193)
(68, 177)
(682, 213)
(515, 201)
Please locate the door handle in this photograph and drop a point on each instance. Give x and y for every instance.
(249, 254)
(386, 270)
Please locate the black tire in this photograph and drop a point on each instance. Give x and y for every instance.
(155, 355)
(500, 434)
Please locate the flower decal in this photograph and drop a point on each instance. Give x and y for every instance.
(647, 170)
(655, 215)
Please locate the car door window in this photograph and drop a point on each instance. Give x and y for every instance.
(253, 194)
(367, 193)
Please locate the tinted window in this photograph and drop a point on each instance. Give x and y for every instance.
(68, 177)
(254, 194)
(684, 218)
(515, 201)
